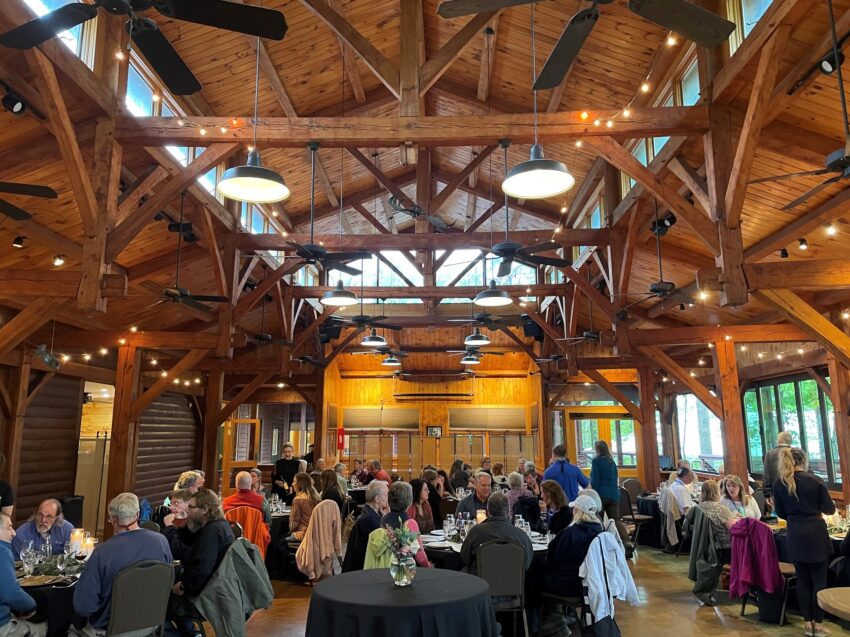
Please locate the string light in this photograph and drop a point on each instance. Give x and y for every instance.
(234, 121)
(644, 88)
(223, 129)
(154, 361)
(103, 351)
(65, 358)
(164, 374)
(703, 295)
(711, 346)
(59, 260)
(701, 361)
(693, 374)
(597, 122)
(119, 55)
(779, 357)
(584, 115)
(528, 290)
(563, 209)
(197, 381)
(176, 381)
(87, 357)
(743, 348)
(761, 354)
(728, 337)
(578, 143)
(831, 230)
(557, 229)
(122, 341)
(671, 40)
(155, 97)
(627, 112)
(664, 379)
(134, 329)
(800, 350)
(609, 123)
(186, 383)
(203, 131)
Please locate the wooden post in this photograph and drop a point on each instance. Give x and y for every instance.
(651, 475)
(734, 429)
(20, 379)
(839, 387)
(321, 426)
(121, 475)
(213, 401)
(544, 421)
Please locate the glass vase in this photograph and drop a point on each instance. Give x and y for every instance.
(403, 570)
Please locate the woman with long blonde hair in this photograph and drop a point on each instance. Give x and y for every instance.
(306, 499)
(801, 498)
(736, 499)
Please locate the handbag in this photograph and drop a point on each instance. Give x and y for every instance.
(605, 627)
(347, 526)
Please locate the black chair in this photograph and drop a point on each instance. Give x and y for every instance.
(761, 501)
(150, 525)
(140, 598)
(789, 574)
(236, 528)
(502, 565)
(628, 516)
(635, 488)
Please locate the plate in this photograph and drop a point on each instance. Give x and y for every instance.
(438, 545)
(437, 532)
(539, 547)
(38, 580)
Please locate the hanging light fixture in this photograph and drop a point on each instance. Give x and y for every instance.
(470, 359)
(373, 339)
(252, 182)
(493, 297)
(339, 296)
(538, 177)
(391, 361)
(476, 339)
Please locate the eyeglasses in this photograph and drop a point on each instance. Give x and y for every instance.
(46, 518)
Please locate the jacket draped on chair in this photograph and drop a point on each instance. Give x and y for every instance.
(322, 541)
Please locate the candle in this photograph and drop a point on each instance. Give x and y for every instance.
(88, 546)
(77, 537)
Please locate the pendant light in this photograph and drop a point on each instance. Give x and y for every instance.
(339, 297)
(538, 177)
(493, 297)
(391, 361)
(476, 339)
(373, 339)
(470, 359)
(252, 182)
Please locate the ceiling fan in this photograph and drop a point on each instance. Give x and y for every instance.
(692, 22)
(384, 351)
(554, 358)
(477, 352)
(838, 161)
(416, 212)
(490, 321)
(27, 190)
(362, 320)
(315, 362)
(262, 337)
(145, 34)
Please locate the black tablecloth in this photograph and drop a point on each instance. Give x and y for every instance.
(439, 602)
(450, 560)
(650, 532)
(358, 496)
(781, 540)
(276, 556)
(55, 605)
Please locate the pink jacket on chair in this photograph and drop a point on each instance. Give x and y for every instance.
(755, 563)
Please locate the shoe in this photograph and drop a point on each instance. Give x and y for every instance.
(821, 631)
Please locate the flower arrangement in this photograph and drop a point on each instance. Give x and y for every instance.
(402, 542)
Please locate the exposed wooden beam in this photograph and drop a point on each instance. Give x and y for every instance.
(616, 394)
(56, 284)
(141, 339)
(704, 334)
(825, 274)
(439, 200)
(301, 338)
(368, 216)
(432, 292)
(488, 53)
(485, 216)
(268, 281)
(233, 404)
(28, 320)
(680, 167)
(660, 359)
(734, 426)
(164, 382)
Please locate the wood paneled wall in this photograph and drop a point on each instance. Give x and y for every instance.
(169, 437)
(49, 447)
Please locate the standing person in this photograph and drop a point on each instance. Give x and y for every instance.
(604, 480)
(46, 526)
(771, 462)
(14, 599)
(284, 472)
(569, 476)
(802, 498)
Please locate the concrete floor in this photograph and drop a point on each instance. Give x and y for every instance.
(670, 609)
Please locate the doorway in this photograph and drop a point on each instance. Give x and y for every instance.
(617, 431)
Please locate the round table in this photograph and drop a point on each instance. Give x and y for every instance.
(835, 601)
(276, 556)
(358, 495)
(650, 534)
(54, 605)
(439, 602)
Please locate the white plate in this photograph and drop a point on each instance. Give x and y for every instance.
(539, 547)
(437, 545)
(437, 532)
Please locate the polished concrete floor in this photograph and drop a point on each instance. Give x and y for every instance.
(670, 609)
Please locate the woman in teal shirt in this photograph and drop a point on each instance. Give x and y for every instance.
(603, 479)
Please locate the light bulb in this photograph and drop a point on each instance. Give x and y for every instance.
(644, 88)
(578, 143)
(155, 97)
(153, 361)
(830, 230)
(87, 357)
(65, 358)
(122, 341)
(800, 350)
(609, 123)
(597, 122)
(223, 129)
(103, 351)
(176, 381)
(203, 131)
(627, 112)
(845, 315)
(671, 40)
(119, 55)
(134, 329)
(728, 337)
(703, 295)
(164, 374)
(584, 115)
(280, 385)
(563, 210)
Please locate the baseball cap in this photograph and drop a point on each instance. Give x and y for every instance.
(585, 503)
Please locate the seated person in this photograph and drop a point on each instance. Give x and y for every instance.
(569, 548)
(516, 489)
(14, 599)
(369, 520)
(399, 498)
(211, 537)
(676, 495)
(191, 481)
(557, 515)
(46, 525)
(721, 517)
(245, 496)
(306, 498)
(174, 523)
(129, 545)
(497, 526)
(532, 480)
(443, 484)
(257, 482)
(359, 471)
(330, 488)
(477, 500)
(737, 499)
(376, 472)
(607, 524)
(420, 510)
(435, 484)
(339, 469)
(499, 478)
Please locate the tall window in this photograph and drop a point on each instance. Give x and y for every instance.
(795, 404)
(690, 85)
(700, 438)
(587, 432)
(745, 14)
(623, 442)
(75, 37)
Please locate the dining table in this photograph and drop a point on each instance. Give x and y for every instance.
(54, 605)
(439, 602)
(276, 553)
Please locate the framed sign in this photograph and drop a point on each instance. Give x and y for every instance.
(433, 432)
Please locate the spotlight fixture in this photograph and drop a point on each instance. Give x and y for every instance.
(538, 178)
(281, 385)
(660, 227)
(671, 40)
(59, 260)
(492, 297)
(804, 245)
(339, 296)
(828, 65)
(391, 361)
(373, 339)
(13, 103)
(644, 88)
(476, 339)
(18, 242)
(783, 253)
(703, 295)
(469, 359)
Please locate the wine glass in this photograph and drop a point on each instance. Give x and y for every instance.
(29, 561)
(60, 564)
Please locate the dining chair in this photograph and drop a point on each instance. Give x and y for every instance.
(140, 598)
(502, 565)
(628, 516)
(635, 488)
(150, 525)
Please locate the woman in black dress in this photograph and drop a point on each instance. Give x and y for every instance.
(284, 473)
(801, 498)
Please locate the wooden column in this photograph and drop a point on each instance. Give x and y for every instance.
(734, 429)
(839, 394)
(124, 441)
(13, 435)
(650, 477)
(213, 400)
(321, 428)
(544, 421)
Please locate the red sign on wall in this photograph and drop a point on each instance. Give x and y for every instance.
(340, 438)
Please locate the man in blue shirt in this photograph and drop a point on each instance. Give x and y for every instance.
(130, 545)
(569, 476)
(47, 525)
(477, 500)
(12, 597)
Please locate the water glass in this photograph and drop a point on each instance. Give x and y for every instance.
(48, 549)
(518, 521)
(60, 563)
(29, 561)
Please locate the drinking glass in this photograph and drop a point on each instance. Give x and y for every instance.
(60, 563)
(68, 549)
(518, 521)
(48, 549)
(459, 492)
(29, 561)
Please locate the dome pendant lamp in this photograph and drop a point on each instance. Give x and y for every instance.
(470, 359)
(252, 182)
(476, 339)
(339, 297)
(493, 297)
(373, 339)
(537, 178)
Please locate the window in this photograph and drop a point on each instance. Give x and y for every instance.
(659, 142)
(139, 98)
(745, 14)
(623, 442)
(587, 432)
(795, 404)
(700, 437)
(75, 37)
(690, 85)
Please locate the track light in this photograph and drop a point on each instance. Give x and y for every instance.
(59, 260)
(804, 245)
(662, 225)
(18, 242)
(14, 104)
(828, 65)
(783, 253)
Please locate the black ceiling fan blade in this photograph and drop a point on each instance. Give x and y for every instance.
(821, 171)
(170, 67)
(566, 49)
(438, 222)
(505, 267)
(455, 8)
(13, 212)
(348, 256)
(342, 268)
(207, 298)
(386, 326)
(49, 25)
(699, 25)
(804, 197)
(28, 190)
(191, 302)
(541, 247)
(242, 18)
(533, 260)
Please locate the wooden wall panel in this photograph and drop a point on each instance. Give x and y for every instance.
(168, 435)
(49, 445)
